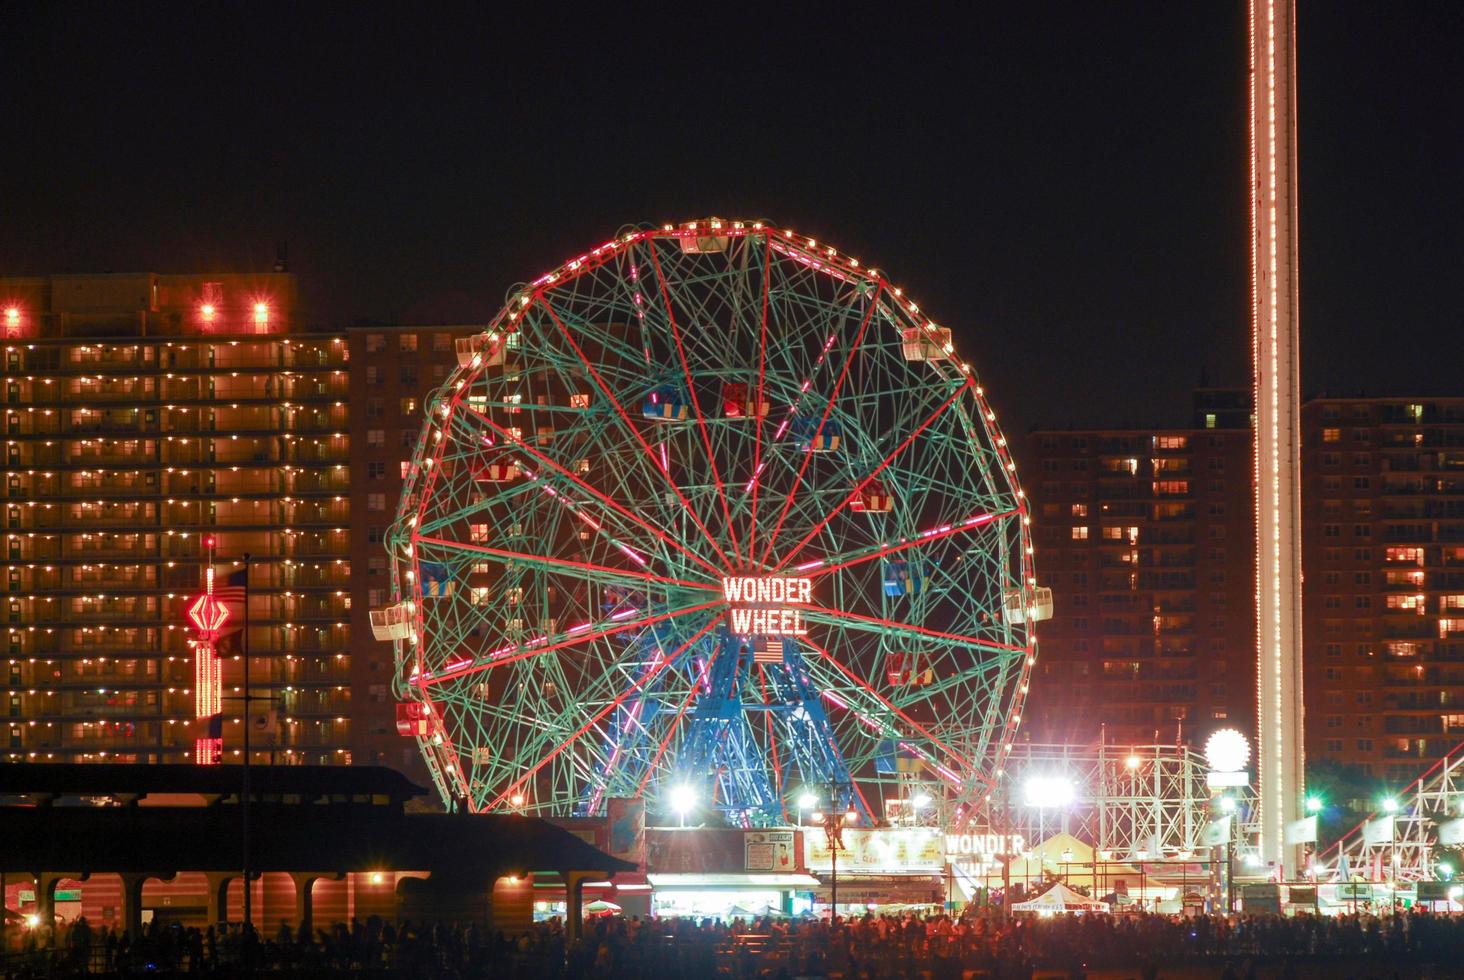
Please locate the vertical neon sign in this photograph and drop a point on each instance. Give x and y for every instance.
(208, 616)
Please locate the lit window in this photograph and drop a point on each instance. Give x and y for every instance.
(1331, 435)
(376, 501)
(261, 316)
(1080, 510)
(407, 342)
(1080, 533)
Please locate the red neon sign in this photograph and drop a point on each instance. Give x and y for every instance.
(208, 616)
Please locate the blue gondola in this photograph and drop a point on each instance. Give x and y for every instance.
(436, 580)
(666, 404)
(893, 757)
(903, 578)
(813, 438)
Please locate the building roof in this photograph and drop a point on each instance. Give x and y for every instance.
(163, 840)
(310, 783)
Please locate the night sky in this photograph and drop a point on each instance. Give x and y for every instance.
(1063, 185)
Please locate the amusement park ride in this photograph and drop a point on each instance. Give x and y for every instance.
(712, 512)
(712, 515)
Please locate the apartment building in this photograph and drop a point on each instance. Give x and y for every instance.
(1383, 549)
(1147, 539)
(144, 414)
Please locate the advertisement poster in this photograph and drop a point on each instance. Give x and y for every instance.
(769, 850)
(627, 819)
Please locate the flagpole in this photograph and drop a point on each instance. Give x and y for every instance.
(244, 800)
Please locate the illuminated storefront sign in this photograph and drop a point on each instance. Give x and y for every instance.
(984, 846)
(761, 605)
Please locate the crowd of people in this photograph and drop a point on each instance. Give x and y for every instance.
(983, 944)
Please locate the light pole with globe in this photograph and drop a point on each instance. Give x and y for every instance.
(1226, 753)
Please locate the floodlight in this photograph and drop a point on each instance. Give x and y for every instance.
(807, 800)
(683, 798)
(1046, 792)
(920, 801)
(1252, 860)
(1227, 804)
(1132, 762)
(1314, 804)
(1390, 805)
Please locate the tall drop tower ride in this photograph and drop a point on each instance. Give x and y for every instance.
(1277, 371)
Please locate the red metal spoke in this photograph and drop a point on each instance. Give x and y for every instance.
(567, 563)
(865, 685)
(630, 426)
(757, 412)
(505, 658)
(811, 570)
(602, 498)
(598, 715)
(884, 464)
(828, 409)
(701, 422)
(894, 624)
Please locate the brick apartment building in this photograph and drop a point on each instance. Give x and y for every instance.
(1383, 549)
(1147, 539)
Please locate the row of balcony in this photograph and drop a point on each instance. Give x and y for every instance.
(307, 356)
(86, 390)
(266, 545)
(153, 670)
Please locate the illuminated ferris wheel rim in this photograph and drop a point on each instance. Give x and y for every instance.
(711, 581)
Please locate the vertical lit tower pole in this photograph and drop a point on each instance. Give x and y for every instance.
(1274, 293)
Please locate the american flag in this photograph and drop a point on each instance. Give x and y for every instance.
(766, 650)
(233, 592)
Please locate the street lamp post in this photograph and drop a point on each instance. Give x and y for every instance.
(833, 826)
(244, 801)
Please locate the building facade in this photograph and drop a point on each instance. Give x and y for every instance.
(395, 369)
(146, 415)
(1147, 539)
(1383, 505)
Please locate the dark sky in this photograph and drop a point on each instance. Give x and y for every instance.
(1063, 184)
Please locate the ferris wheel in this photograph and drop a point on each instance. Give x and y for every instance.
(714, 516)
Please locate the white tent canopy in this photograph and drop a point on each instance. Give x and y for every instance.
(1061, 898)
